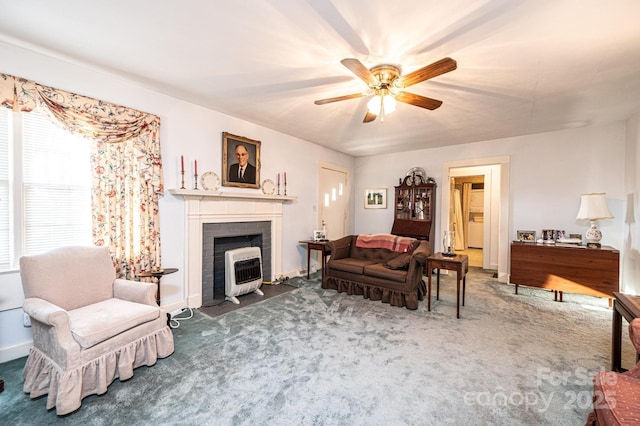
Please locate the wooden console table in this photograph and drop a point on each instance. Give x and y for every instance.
(320, 246)
(458, 263)
(580, 270)
(627, 306)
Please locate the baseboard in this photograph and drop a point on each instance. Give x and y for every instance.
(14, 352)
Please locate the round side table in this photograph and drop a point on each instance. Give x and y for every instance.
(157, 274)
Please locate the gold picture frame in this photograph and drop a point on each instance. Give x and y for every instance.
(375, 198)
(234, 150)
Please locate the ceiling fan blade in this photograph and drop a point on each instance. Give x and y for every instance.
(437, 68)
(356, 67)
(340, 98)
(417, 100)
(369, 117)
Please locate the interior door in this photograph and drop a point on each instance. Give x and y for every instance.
(333, 201)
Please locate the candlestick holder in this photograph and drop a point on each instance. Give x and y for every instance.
(182, 173)
(285, 188)
(195, 181)
(278, 190)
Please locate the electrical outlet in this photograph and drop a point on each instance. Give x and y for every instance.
(26, 320)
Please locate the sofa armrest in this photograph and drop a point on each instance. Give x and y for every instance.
(340, 248)
(46, 312)
(135, 291)
(51, 331)
(421, 253)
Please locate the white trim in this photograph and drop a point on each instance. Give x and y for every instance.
(10, 353)
(504, 163)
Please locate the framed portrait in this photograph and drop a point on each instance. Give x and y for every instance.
(527, 236)
(375, 198)
(240, 161)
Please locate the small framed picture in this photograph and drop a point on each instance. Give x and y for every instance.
(527, 236)
(375, 198)
(319, 235)
(548, 236)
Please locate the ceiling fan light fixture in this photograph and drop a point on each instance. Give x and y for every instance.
(378, 103)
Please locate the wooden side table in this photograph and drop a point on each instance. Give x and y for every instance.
(157, 274)
(458, 263)
(627, 306)
(320, 246)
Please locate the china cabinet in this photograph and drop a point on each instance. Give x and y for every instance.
(414, 208)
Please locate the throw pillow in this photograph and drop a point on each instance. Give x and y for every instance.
(399, 262)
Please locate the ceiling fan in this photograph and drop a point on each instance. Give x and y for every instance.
(386, 84)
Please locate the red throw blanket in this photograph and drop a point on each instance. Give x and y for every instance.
(387, 241)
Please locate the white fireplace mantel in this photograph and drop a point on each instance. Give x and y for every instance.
(216, 207)
(203, 194)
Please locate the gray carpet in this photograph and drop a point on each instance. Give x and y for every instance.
(318, 357)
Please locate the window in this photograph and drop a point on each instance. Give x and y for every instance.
(45, 187)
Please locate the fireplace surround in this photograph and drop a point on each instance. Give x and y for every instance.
(205, 207)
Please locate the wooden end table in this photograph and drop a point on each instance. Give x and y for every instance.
(157, 274)
(627, 306)
(458, 263)
(320, 246)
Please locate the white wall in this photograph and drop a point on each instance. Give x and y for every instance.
(189, 130)
(548, 172)
(631, 255)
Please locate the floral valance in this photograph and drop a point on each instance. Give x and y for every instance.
(100, 121)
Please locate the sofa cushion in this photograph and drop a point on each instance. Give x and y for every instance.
(378, 270)
(355, 266)
(100, 321)
(399, 262)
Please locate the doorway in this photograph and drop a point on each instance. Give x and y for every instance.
(333, 201)
(466, 217)
(495, 225)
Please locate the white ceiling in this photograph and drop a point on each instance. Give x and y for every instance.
(524, 66)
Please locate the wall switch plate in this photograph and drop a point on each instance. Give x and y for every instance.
(26, 320)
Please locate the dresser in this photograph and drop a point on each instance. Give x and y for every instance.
(589, 271)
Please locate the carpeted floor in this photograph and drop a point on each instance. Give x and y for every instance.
(317, 357)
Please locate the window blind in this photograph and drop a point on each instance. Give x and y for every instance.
(56, 186)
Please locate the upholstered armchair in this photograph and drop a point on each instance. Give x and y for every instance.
(616, 396)
(89, 328)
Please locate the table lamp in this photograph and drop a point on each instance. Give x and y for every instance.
(593, 207)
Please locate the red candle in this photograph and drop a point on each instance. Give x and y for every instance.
(285, 178)
(278, 178)
(195, 166)
(182, 163)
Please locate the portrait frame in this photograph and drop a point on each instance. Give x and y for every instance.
(375, 198)
(229, 162)
(526, 236)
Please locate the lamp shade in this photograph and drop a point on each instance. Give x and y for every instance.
(594, 207)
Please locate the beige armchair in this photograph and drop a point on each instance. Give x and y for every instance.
(89, 328)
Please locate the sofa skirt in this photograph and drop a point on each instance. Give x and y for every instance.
(66, 389)
(373, 292)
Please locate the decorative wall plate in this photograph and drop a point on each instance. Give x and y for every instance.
(210, 181)
(268, 187)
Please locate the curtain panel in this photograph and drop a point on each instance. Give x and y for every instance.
(126, 166)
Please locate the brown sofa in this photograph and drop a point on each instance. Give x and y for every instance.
(392, 276)
(616, 396)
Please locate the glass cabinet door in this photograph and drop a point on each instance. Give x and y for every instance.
(423, 204)
(403, 204)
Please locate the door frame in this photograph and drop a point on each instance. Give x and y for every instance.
(501, 213)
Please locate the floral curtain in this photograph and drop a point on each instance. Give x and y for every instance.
(126, 164)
